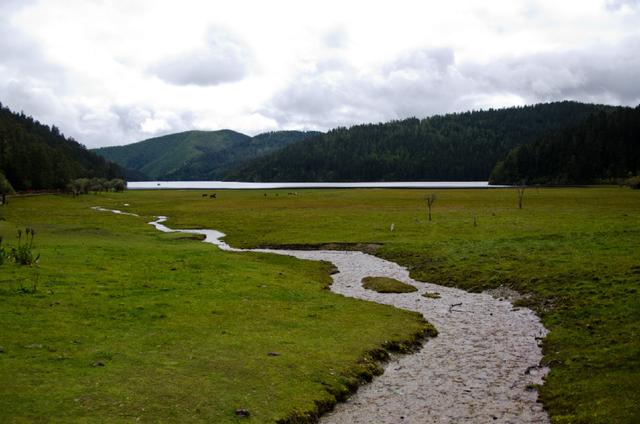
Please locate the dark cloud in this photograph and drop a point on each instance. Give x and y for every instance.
(223, 59)
(426, 82)
(326, 97)
(609, 74)
(332, 92)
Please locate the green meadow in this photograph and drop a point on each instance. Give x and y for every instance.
(119, 321)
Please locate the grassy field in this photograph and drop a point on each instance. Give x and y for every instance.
(572, 252)
(119, 323)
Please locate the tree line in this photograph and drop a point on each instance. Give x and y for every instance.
(96, 185)
(604, 148)
(454, 147)
(34, 156)
(554, 143)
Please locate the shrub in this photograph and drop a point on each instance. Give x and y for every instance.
(23, 254)
(2, 252)
(79, 186)
(633, 182)
(386, 285)
(118, 184)
(5, 188)
(97, 185)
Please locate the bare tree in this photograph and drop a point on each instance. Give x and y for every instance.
(520, 190)
(430, 199)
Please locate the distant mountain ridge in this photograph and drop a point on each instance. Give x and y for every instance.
(455, 147)
(198, 155)
(37, 156)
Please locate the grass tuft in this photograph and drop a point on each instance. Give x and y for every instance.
(387, 285)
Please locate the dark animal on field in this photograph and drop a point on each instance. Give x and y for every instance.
(212, 196)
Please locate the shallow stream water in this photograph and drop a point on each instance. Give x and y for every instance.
(481, 367)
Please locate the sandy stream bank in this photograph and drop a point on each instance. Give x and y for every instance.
(479, 369)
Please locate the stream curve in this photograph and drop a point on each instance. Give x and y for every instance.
(480, 368)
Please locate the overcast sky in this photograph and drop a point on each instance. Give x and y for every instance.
(110, 72)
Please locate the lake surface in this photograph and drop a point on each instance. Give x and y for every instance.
(219, 185)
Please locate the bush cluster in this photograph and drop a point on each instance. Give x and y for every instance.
(3, 254)
(633, 182)
(96, 185)
(22, 254)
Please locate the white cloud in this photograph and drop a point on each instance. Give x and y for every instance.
(426, 82)
(113, 72)
(223, 58)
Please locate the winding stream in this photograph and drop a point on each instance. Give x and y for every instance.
(479, 369)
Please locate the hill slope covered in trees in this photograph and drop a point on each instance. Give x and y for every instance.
(36, 156)
(603, 148)
(197, 155)
(454, 147)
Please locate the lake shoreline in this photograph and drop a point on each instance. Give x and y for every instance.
(237, 185)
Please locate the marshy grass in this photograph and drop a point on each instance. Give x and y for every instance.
(573, 253)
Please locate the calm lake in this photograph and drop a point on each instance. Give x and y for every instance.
(219, 185)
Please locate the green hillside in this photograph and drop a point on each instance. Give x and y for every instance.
(604, 148)
(34, 156)
(159, 156)
(454, 147)
(197, 155)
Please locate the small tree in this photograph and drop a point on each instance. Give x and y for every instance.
(79, 186)
(430, 200)
(107, 185)
(2, 252)
(5, 188)
(23, 254)
(633, 182)
(520, 190)
(97, 185)
(118, 184)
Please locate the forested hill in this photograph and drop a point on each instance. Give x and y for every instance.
(216, 164)
(454, 147)
(198, 155)
(604, 148)
(36, 156)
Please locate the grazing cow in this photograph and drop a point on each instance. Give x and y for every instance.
(204, 195)
(212, 196)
